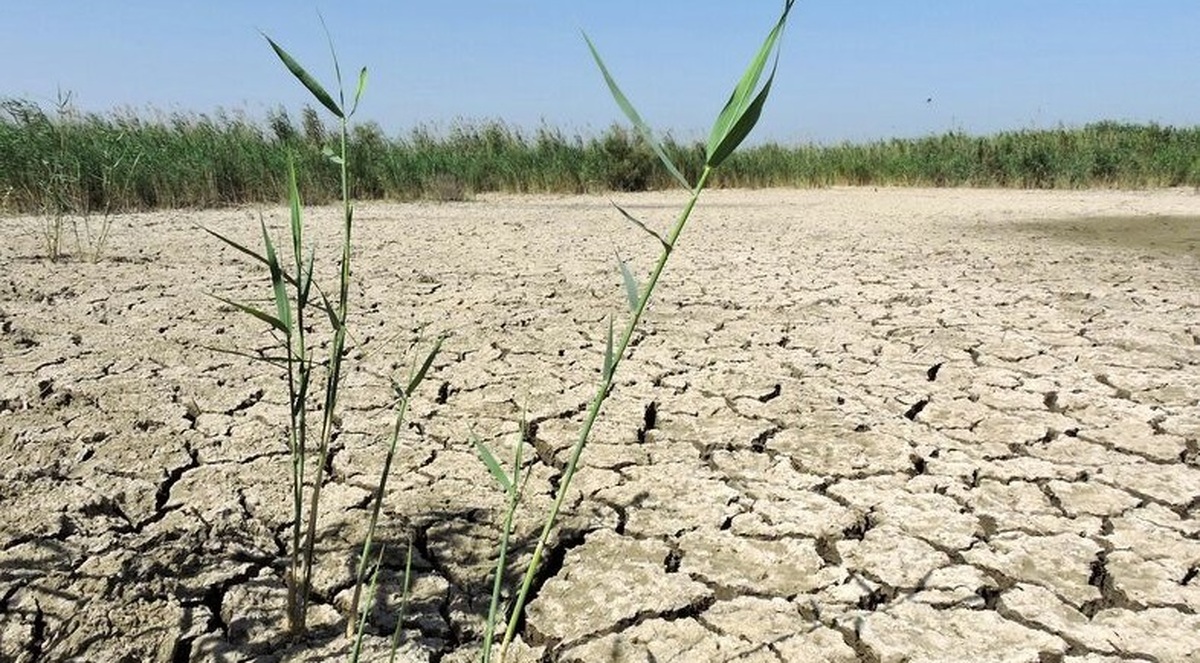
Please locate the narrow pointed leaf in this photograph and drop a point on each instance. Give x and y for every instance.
(635, 118)
(743, 94)
(337, 67)
(294, 205)
(492, 464)
(282, 306)
(265, 317)
(280, 362)
(248, 252)
(234, 245)
(516, 477)
(304, 269)
(630, 218)
(420, 374)
(608, 350)
(305, 78)
(362, 85)
(738, 132)
(306, 280)
(632, 289)
(327, 306)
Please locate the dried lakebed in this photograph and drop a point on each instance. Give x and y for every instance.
(858, 425)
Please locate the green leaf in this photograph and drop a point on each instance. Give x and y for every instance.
(327, 306)
(297, 221)
(265, 317)
(280, 362)
(741, 129)
(629, 217)
(337, 66)
(520, 446)
(248, 252)
(608, 351)
(305, 78)
(362, 85)
(232, 244)
(306, 279)
(635, 118)
(420, 374)
(721, 140)
(282, 306)
(492, 464)
(632, 289)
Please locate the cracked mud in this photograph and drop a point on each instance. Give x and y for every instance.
(857, 425)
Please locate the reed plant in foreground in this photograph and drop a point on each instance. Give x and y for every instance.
(297, 301)
(735, 121)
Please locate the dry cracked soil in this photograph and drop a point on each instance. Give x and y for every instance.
(857, 425)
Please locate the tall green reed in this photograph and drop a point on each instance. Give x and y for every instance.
(732, 125)
(297, 300)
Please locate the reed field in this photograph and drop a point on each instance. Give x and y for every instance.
(57, 158)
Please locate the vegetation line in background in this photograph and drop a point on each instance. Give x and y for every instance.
(122, 162)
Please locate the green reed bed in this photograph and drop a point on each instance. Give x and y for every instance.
(120, 161)
(1105, 154)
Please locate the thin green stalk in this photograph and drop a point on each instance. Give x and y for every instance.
(594, 411)
(298, 375)
(333, 378)
(735, 121)
(379, 491)
(513, 489)
(405, 393)
(297, 361)
(400, 613)
(362, 622)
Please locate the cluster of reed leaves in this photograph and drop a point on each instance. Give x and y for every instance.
(122, 161)
(297, 301)
(731, 127)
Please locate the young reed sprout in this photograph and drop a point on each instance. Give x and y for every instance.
(735, 121)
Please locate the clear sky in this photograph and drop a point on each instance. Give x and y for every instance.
(850, 70)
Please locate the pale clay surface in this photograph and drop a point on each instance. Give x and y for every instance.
(857, 425)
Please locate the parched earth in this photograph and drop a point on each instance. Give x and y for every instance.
(857, 425)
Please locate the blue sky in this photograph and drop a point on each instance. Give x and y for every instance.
(850, 70)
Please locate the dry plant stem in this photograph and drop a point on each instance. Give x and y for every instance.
(594, 410)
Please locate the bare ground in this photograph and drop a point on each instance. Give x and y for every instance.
(857, 425)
